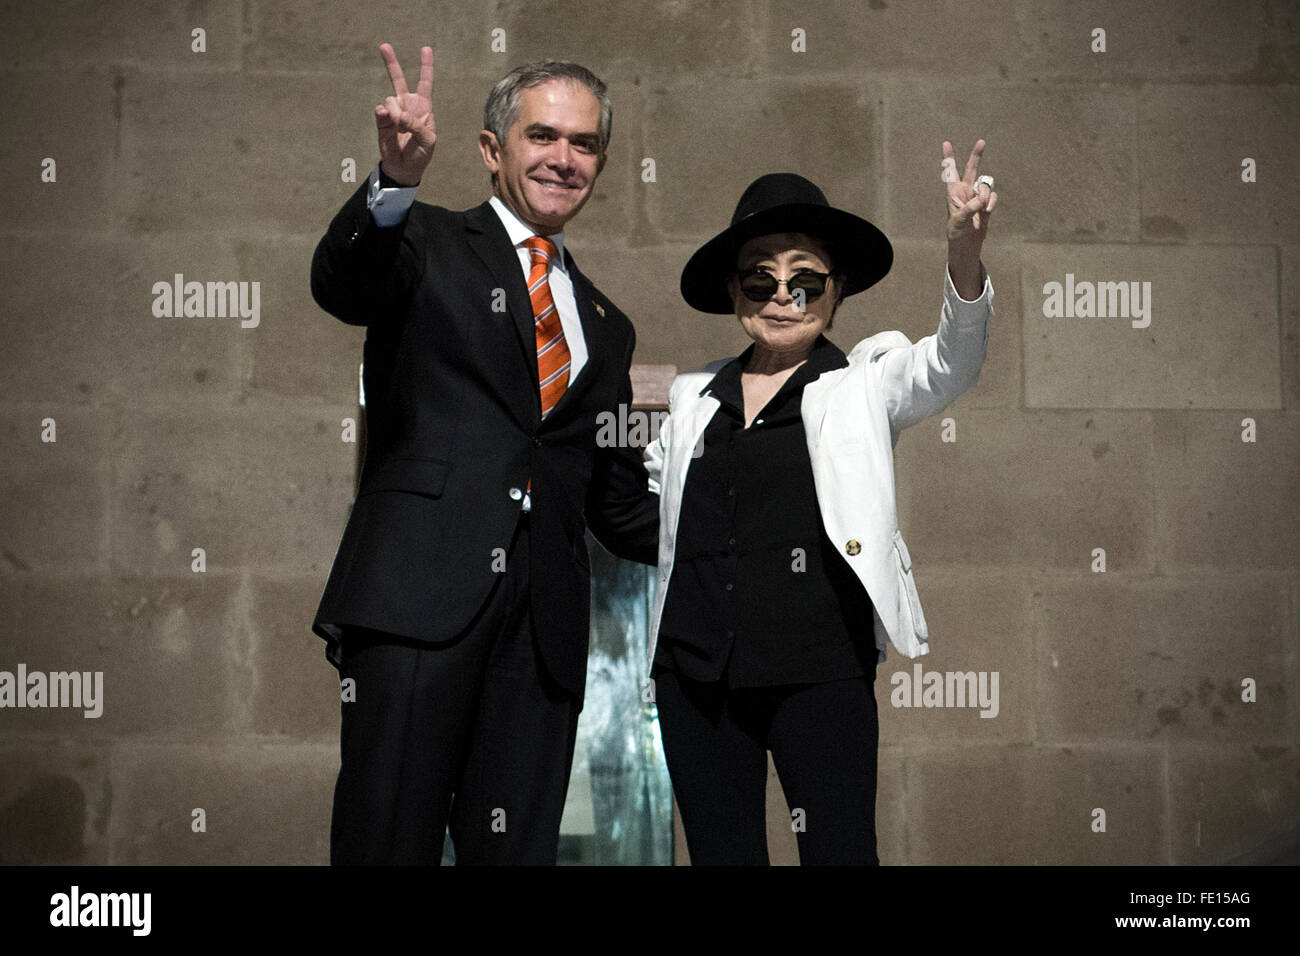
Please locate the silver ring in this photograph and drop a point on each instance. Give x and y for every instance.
(985, 180)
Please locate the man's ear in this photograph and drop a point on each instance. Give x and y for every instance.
(600, 163)
(491, 149)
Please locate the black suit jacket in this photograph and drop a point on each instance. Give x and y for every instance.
(455, 433)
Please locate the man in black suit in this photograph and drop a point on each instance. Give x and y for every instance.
(458, 603)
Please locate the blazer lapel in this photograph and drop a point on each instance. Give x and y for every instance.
(840, 423)
(691, 417)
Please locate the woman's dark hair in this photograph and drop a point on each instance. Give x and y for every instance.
(833, 254)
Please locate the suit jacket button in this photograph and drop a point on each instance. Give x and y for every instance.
(515, 494)
(854, 546)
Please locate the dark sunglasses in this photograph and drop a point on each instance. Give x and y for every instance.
(759, 285)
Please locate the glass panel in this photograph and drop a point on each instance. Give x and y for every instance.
(619, 809)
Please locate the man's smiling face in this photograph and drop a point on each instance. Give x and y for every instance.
(548, 165)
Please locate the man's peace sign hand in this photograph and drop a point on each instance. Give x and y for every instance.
(405, 120)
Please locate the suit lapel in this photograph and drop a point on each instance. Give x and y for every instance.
(595, 334)
(490, 242)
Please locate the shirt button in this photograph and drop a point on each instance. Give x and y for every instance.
(731, 541)
(515, 494)
(730, 586)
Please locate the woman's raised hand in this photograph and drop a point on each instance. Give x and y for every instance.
(969, 208)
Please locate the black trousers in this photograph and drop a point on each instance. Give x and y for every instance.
(471, 733)
(823, 739)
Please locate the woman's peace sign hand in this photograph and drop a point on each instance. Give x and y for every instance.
(969, 207)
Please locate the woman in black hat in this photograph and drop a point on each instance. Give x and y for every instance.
(782, 572)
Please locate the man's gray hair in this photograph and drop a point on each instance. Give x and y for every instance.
(502, 108)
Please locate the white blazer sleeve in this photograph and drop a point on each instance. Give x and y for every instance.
(926, 377)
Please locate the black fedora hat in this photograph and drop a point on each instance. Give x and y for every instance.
(786, 202)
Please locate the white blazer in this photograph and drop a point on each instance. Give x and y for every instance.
(852, 417)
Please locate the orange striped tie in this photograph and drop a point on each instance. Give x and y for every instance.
(552, 351)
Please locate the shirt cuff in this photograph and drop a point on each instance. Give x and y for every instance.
(985, 291)
(388, 205)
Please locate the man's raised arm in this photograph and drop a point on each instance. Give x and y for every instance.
(368, 260)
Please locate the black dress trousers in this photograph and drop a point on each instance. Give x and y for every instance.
(471, 733)
(823, 737)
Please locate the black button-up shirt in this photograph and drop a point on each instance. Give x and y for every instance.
(758, 594)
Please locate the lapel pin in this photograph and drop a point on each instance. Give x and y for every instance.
(600, 310)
